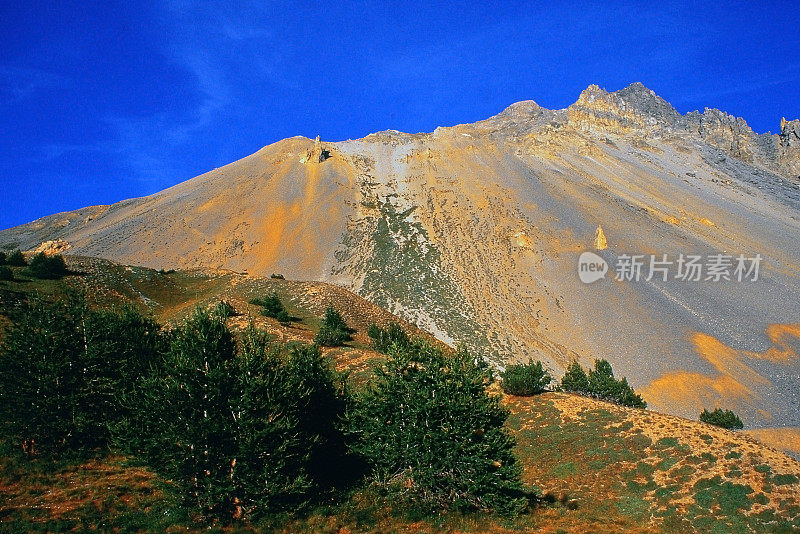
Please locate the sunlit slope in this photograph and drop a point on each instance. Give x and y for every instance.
(473, 233)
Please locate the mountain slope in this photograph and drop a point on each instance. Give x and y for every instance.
(600, 467)
(473, 233)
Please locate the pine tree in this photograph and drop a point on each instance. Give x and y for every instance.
(383, 339)
(575, 379)
(41, 376)
(525, 379)
(47, 267)
(240, 432)
(433, 436)
(334, 331)
(722, 418)
(191, 418)
(601, 384)
(270, 472)
(16, 259)
(321, 405)
(121, 348)
(271, 306)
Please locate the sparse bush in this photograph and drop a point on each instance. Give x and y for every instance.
(722, 418)
(16, 259)
(6, 273)
(525, 379)
(334, 331)
(47, 267)
(224, 309)
(328, 337)
(601, 384)
(384, 339)
(432, 435)
(271, 306)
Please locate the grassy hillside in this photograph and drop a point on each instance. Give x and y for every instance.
(622, 469)
(172, 296)
(599, 467)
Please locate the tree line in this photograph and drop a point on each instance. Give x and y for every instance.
(243, 427)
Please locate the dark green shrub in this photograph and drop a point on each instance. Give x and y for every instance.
(16, 259)
(47, 267)
(6, 273)
(63, 369)
(601, 384)
(240, 432)
(2, 257)
(722, 418)
(334, 332)
(525, 379)
(575, 379)
(271, 306)
(224, 309)
(277, 276)
(433, 437)
(383, 339)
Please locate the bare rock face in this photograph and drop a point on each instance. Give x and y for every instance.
(634, 108)
(473, 233)
(600, 242)
(789, 151)
(790, 133)
(50, 248)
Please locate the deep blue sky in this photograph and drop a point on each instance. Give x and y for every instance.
(102, 101)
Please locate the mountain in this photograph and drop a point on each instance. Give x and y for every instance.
(474, 232)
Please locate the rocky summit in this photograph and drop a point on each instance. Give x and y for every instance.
(474, 233)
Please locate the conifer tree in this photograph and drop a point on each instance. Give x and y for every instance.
(192, 443)
(270, 472)
(433, 436)
(16, 259)
(41, 377)
(575, 378)
(334, 331)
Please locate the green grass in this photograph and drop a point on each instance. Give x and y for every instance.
(782, 480)
(564, 470)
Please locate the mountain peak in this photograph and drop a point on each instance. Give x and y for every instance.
(635, 106)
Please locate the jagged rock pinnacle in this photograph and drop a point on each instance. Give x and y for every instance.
(600, 242)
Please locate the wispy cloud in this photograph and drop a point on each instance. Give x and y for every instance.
(777, 77)
(17, 83)
(148, 143)
(56, 150)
